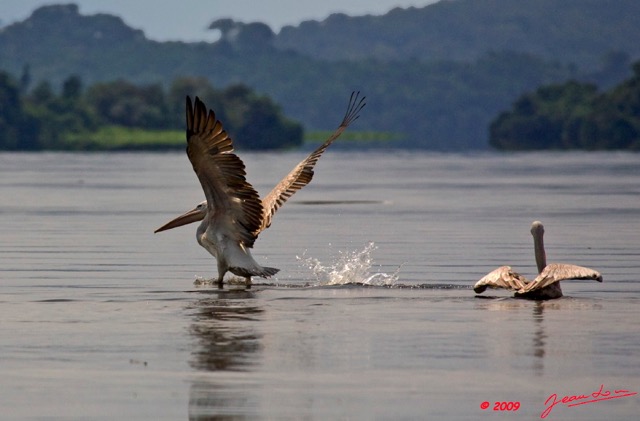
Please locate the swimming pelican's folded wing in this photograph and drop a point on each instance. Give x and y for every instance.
(221, 173)
(555, 272)
(503, 277)
(302, 173)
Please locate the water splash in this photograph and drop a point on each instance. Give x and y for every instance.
(350, 267)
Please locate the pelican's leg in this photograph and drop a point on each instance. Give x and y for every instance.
(222, 270)
(247, 280)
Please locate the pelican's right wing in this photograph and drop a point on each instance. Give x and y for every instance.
(230, 198)
(555, 272)
(503, 277)
(302, 174)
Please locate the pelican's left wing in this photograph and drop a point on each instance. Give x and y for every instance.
(302, 174)
(222, 174)
(555, 272)
(503, 277)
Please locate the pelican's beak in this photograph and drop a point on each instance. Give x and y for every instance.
(190, 217)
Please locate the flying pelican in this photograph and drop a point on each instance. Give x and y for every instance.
(233, 214)
(546, 285)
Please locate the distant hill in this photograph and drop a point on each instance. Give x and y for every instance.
(577, 31)
(56, 41)
(424, 101)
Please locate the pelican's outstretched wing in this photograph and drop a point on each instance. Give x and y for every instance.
(302, 174)
(503, 277)
(555, 272)
(230, 198)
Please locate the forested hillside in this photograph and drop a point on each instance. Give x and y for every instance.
(572, 116)
(576, 31)
(428, 101)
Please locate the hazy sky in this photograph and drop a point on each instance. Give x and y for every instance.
(187, 19)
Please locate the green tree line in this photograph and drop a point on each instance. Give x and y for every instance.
(75, 117)
(572, 115)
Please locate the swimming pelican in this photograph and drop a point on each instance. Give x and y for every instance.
(233, 214)
(546, 285)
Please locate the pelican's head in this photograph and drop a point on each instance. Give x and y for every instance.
(194, 215)
(537, 229)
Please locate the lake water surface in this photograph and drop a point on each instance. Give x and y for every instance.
(372, 316)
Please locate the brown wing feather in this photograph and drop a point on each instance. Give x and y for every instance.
(503, 277)
(221, 173)
(302, 173)
(555, 272)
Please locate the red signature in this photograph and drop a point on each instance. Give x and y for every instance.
(575, 400)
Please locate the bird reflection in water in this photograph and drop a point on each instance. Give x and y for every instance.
(539, 338)
(544, 333)
(226, 342)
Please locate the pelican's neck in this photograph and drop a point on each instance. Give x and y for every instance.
(538, 246)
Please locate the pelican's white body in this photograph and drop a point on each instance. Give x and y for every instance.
(230, 254)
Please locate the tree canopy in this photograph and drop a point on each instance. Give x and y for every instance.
(43, 119)
(572, 115)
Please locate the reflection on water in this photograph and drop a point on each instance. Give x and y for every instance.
(524, 318)
(227, 339)
(211, 401)
(539, 337)
(225, 333)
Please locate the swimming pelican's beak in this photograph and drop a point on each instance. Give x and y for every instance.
(190, 217)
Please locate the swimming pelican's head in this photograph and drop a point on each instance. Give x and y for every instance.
(537, 228)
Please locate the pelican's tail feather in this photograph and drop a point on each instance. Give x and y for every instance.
(268, 272)
(263, 272)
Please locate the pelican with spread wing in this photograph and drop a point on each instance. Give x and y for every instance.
(234, 215)
(546, 285)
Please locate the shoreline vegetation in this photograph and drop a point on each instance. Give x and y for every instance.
(118, 138)
(572, 116)
(120, 115)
